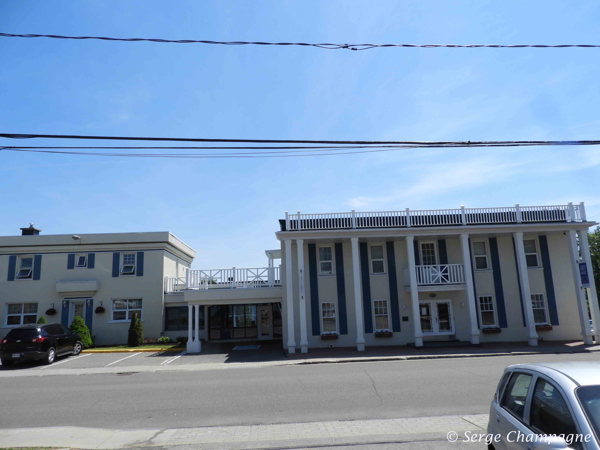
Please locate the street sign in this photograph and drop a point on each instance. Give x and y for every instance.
(585, 277)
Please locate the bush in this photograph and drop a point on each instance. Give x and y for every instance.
(164, 339)
(41, 320)
(136, 332)
(78, 326)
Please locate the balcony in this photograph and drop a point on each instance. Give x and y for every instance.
(435, 217)
(450, 276)
(233, 278)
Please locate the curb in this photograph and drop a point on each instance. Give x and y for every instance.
(134, 350)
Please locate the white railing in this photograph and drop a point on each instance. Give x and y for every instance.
(436, 217)
(233, 278)
(438, 274)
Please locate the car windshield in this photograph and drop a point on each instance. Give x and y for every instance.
(589, 396)
(23, 334)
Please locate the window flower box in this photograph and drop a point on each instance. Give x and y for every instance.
(491, 330)
(383, 334)
(329, 336)
(100, 310)
(50, 312)
(543, 327)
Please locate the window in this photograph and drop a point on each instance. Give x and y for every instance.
(21, 313)
(531, 256)
(81, 261)
(325, 261)
(589, 397)
(428, 254)
(480, 255)
(515, 394)
(382, 318)
(122, 310)
(329, 320)
(549, 411)
(540, 316)
(25, 268)
(128, 266)
(487, 311)
(377, 259)
(176, 318)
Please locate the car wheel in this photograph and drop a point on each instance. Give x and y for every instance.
(77, 348)
(7, 362)
(50, 356)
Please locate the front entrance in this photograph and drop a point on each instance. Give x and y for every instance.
(77, 310)
(437, 317)
(244, 322)
(265, 322)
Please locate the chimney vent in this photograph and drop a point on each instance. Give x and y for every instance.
(30, 231)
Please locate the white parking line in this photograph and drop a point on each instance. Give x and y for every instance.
(122, 359)
(66, 360)
(169, 361)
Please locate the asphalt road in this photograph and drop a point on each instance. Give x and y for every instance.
(308, 393)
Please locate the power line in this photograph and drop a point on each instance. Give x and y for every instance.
(324, 46)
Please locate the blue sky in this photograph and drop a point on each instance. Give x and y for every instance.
(228, 209)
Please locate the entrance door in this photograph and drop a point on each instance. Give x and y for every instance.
(436, 317)
(265, 322)
(77, 310)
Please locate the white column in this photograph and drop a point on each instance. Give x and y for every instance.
(358, 300)
(525, 290)
(592, 290)
(414, 291)
(289, 296)
(197, 342)
(471, 300)
(190, 342)
(582, 307)
(302, 296)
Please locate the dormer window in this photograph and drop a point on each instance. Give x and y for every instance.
(25, 271)
(81, 261)
(128, 265)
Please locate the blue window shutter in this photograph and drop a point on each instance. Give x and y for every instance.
(416, 244)
(498, 288)
(91, 260)
(393, 282)
(341, 287)
(71, 261)
(12, 267)
(550, 295)
(89, 313)
(64, 314)
(116, 262)
(37, 267)
(139, 270)
(314, 290)
(443, 251)
(366, 287)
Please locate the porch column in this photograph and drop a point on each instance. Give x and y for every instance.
(582, 307)
(414, 291)
(270, 271)
(289, 296)
(525, 290)
(358, 300)
(471, 300)
(198, 344)
(592, 290)
(190, 342)
(301, 296)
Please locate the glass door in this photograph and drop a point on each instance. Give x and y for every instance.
(77, 310)
(436, 317)
(426, 317)
(444, 317)
(265, 322)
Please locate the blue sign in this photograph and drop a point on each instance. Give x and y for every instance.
(585, 277)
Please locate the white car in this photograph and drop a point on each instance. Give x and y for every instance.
(547, 406)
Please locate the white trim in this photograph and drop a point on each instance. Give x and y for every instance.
(494, 311)
(22, 314)
(383, 260)
(546, 311)
(123, 265)
(332, 247)
(80, 255)
(18, 267)
(435, 250)
(387, 308)
(126, 320)
(486, 255)
(337, 322)
(537, 252)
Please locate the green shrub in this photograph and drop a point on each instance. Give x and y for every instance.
(136, 331)
(164, 339)
(78, 326)
(42, 320)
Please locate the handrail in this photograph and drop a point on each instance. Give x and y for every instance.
(231, 278)
(437, 274)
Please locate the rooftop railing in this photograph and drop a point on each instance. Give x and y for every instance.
(436, 217)
(232, 278)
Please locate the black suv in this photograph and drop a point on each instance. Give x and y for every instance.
(39, 342)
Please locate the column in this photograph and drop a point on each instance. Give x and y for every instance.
(190, 342)
(582, 307)
(414, 291)
(360, 329)
(289, 297)
(301, 296)
(525, 290)
(198, 344)
(270, 271)
(592, 290)
(471, 300)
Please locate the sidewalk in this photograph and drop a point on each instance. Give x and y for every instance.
(252, 436)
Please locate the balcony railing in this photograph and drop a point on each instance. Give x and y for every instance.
(438, 274)
(233, 278)
(436, 217)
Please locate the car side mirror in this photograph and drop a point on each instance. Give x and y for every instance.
(551, 443)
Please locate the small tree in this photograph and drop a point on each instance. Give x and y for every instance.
(594, 242)
(41, 320)
(136, 331)
(78, 326)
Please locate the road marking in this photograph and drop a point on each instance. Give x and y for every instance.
(122, 359)
(169, 361)
(66, 360)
